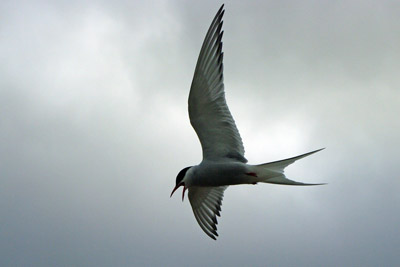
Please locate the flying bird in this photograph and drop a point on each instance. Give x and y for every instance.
(223, 161)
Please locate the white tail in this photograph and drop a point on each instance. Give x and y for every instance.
(273, 172)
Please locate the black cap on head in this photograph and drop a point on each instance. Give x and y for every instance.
(181, 174)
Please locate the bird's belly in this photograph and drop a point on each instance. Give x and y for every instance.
(224, 174)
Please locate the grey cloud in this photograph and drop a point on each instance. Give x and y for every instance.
(94, 129)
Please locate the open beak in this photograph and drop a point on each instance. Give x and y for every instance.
(176, 187)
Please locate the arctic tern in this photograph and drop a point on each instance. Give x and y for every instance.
(223, 161)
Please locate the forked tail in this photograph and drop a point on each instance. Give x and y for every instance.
(273, 172)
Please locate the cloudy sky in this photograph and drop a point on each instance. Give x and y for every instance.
(94, 129)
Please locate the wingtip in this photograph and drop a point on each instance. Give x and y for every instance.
(214, 236)
(221, 11)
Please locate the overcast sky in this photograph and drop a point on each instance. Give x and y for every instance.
(94, 129)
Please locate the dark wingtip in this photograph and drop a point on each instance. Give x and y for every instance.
(221, 12)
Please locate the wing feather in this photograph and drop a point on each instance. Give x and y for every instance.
(206, 203)
(209, 114)
(203, 227)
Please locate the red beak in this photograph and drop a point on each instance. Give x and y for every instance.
(176, 187)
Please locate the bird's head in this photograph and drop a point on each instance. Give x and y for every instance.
(180, 181)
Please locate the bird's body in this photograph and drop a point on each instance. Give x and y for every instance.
(223, 161)
(209, 173)
(231, 172)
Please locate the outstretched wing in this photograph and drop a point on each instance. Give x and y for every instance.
(206, 204)
(208, 111)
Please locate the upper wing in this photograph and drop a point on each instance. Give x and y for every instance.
(208, 111)
(206, 204)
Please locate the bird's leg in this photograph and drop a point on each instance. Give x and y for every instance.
(252, 174)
